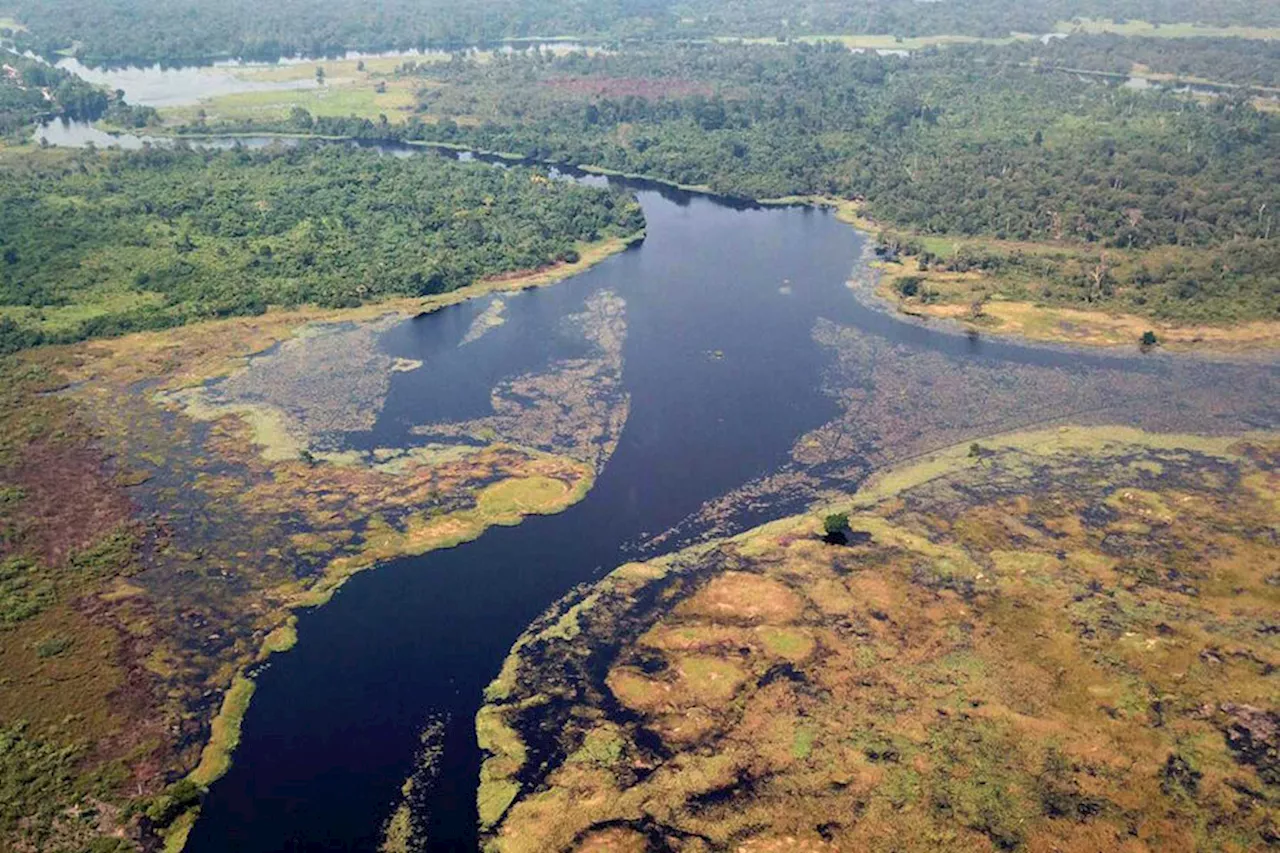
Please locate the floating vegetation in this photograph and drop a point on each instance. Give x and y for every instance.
(326, 380)
(185, 492)
(575, 407)
(487, 320)
(404, 832)
(897, 402)
(1065, 642)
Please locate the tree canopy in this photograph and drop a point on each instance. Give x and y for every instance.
(100, 244)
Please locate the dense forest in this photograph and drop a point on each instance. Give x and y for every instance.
(99, 244)
(949, 141)
(189, 30)
(962, 141)
(32, 91)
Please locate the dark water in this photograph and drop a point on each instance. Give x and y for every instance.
(724, 376)
(332, 730)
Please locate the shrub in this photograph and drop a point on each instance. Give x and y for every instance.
(836, 522)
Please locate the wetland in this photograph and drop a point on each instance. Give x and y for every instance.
(750, 382)
(578, 634)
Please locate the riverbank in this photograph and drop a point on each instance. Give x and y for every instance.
(911, 675)
(973, 301)
(205, 538)
(976, 301)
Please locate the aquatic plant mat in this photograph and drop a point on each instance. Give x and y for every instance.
(896, 402)
(1047, 641)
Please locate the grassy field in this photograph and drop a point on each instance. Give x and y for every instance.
(1143, 28)
(10, 24)
(347, 91)
(1014, 303)
(350, 89)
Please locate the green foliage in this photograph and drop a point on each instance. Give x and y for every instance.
(110, 845)
(1222, 60)
(1149, 339)
(942, 143)
(176, 799)
(108, 557)
(187, 30)
(38, 91)
(836, 522)
(53, 645)
(909, 285)
(119, 242)
(24, 590)
(35, 779)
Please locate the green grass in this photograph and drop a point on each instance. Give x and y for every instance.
(802, 742)
(10, 24)
(339, 100)
(1183, 30)
(66, 318)
(224, 736)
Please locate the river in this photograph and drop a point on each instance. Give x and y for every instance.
(726, 373)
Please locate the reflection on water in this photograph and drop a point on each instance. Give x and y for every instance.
(157, 86)
(80, 134)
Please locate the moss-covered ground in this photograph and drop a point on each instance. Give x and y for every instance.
(1052, 641)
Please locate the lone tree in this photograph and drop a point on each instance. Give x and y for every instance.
(320, 74)
(1149, 339)
(836, 522)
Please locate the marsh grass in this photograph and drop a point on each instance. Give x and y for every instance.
(984, 673)
(132, 557)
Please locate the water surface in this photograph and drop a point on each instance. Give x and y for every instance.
(726, 372)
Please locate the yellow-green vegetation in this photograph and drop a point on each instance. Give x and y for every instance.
(1046, 641)
(403, 832)
(1065, 294)
(1174, 30)
(224, 733)
(125, 517)
(366, 89)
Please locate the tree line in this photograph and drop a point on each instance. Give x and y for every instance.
(968, 141)
(31, 91)
(144, 31)
(159, 237)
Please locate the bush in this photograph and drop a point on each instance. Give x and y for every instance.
(836, 522)
(180, 796)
